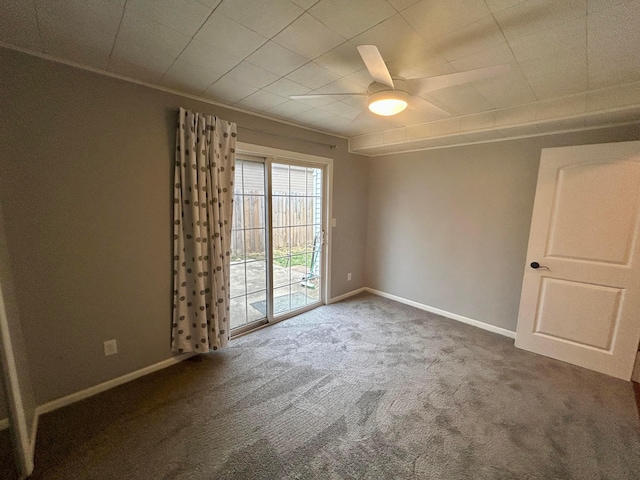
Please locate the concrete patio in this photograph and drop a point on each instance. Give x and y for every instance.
(248, 294)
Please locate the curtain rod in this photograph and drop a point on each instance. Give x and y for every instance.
(332, 147)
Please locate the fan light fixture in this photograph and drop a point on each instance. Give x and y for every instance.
(388, 102)
(389, 96)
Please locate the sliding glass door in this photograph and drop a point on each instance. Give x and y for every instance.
(277, 241)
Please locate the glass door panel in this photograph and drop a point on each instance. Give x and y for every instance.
(296, 210)
(248, 245)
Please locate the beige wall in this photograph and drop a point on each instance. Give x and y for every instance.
(449, 228)
(86, 164)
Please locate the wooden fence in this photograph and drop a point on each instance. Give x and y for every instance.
(249, 219)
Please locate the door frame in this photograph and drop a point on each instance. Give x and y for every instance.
(275, 155)
(18, 391)
(23, 434)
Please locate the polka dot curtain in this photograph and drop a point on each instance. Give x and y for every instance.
(203, 205)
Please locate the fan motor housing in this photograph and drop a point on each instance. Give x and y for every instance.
(376, 87)
(388, 93)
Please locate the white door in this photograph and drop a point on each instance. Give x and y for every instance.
(581, 304)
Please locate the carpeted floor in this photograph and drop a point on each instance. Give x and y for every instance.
(363, 389)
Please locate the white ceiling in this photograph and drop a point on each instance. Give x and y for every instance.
(574, 63)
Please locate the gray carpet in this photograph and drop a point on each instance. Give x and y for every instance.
(364, 389)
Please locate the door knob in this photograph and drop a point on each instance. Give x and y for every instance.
(536, 265)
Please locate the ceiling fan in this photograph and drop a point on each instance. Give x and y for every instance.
(390, 95)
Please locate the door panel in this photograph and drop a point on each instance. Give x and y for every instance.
(297, 216)
(249, 245)
(595, 212)
(579, 313)
(582, 305)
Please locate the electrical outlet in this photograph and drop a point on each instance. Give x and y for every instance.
(110, 347)
(348, 277)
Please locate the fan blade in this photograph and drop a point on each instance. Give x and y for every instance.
(319, 95)
(361, 116)
(427, 84)
(375, 64)
(427, 108)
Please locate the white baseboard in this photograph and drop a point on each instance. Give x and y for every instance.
(4, 424)
(109, 384)
(346, 295)
(102, 387)
(444, 313)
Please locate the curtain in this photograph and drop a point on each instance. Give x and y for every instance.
(203, 206)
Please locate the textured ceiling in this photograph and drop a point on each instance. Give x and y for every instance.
(574, 63)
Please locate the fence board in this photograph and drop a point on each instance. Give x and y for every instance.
(248, 215)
